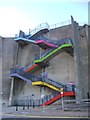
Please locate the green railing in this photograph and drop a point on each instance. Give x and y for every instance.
(52, 53)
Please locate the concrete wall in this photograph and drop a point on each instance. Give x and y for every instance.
(88, 58)
(8, 57)
(61, 68)
(60, 32)
(80, 59)
(83, 50)
(25, 57)
(0, 73)
(26, 54)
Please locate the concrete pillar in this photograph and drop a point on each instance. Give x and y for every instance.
(78, 73)
(89, 47)
(1, 74)
(11, 92)
(86, 30)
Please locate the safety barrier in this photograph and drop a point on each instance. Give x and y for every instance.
(34, 78)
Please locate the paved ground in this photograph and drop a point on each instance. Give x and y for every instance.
(43, 112)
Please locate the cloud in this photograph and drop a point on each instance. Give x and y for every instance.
(11, 21)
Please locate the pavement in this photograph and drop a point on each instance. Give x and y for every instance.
(54, 111)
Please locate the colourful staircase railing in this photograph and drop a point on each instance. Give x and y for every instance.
(41, 83)
(32, 68)
(39, 80)
(24, 39)
(55, 48)
(45, 44)
(57, 97)
(46, 100)
(21, 77)
(52, 54)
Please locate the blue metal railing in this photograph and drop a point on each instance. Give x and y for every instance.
(28, 101)
(38, 28)
(42, 26)
(26, 75)
(34, 78)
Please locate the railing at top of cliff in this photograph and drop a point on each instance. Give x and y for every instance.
(60, 24)
(38, 28)
(42, 26)
(47, 26)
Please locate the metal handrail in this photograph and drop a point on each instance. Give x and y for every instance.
(26, 101)
(34, 78)
(54, 41)
(38, 28)
(59, 43)
(60, 24)
(24, 74)
(43, 54)
(45, 25)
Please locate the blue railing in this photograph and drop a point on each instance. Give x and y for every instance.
(30, 101)
(34, 78)
(38, 28)
(26, 75)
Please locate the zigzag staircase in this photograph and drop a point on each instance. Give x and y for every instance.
(63, 45)
(32, 68)
(38, 80)
(50, 51)
(47, 100)
(69, 90)
(24, 39)
(49, 54)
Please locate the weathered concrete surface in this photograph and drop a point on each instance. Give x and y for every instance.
(61, 68)
(80, 60)
(60, 32)
(83, 48)
(0, 73)
(8, 56)
(89, 58)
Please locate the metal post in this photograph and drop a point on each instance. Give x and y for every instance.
(33, 104)
(11, 91)
(62, 93)
(32, 97)
(23, 104)
(16, 107)
(28, 104)
(40, 53)
(23, 107)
